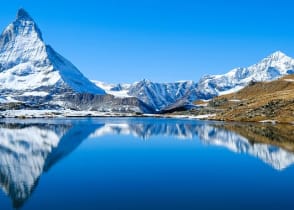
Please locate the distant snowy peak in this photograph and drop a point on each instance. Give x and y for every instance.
(270, 68)
(27, 64)
(273, 66)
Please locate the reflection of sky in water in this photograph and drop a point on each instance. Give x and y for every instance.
(120, 154)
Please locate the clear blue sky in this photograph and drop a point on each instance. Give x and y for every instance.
(161, 40)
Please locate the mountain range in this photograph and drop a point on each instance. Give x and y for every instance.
(34, 76)
(270, 68)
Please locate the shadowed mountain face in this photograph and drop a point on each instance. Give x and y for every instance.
(30, 148)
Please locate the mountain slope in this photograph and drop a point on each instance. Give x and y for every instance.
(29, 67)
(160, 95)
(270, 68)
(262, 101)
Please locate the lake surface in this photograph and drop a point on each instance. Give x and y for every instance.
(145, 163)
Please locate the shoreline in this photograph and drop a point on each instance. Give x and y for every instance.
(32, 114)
(24, 114)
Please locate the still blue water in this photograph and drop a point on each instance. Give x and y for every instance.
(141, 163)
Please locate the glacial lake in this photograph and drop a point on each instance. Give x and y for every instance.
(145, 163)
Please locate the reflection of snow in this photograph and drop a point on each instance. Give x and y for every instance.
(277, 157)
(26, 150)
(22, 157)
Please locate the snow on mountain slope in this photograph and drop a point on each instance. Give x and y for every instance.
(156, 95)
(28, 65)
(270, 68)
(160, 95)
(120, 90)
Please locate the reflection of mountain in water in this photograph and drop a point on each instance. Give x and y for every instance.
(26, 150)
(29, 148)
(267, 144)
(275, 156)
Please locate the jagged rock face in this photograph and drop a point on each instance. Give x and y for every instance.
(158, 96)
(29, 67)
(105, 103)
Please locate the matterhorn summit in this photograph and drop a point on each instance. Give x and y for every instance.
(29, 67)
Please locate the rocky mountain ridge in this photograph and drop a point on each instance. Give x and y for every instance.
(161, 96)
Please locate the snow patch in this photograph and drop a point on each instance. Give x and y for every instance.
(234, 100)
(35, 93)
(268, 121)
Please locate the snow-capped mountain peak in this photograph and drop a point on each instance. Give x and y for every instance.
(22, 14)
(21, 41)
(30, 67)
(270, 68)
(277, 60)
(277, 55)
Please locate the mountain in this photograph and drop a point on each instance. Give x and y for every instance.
(160, 95)
(270, 68)
(29, 67)
(156, 95)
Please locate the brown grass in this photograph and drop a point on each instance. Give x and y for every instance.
(261, 101)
